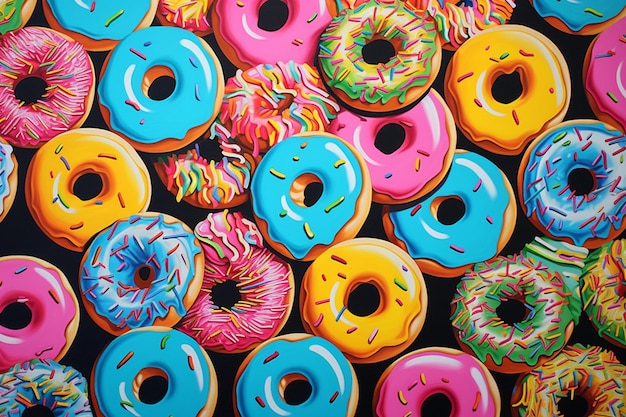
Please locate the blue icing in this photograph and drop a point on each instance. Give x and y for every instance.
(577, 14)
(475, 236)
(323, 365)
(193, 102)
(109, 19)
(6, 169)
(171, 352)
(297, 227)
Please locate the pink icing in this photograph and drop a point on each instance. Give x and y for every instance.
(408, 172)
(25, 279)
(420, 374)
(234, 251)
(606, 76)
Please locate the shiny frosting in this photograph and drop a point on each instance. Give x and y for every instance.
(10, 15)
(66, 68)
(258, 393)
(576, 14)
(108, 269)
(193, 102)
(47, 294)
(298, 227)
(7, 167)
(425, 153)
(190, 375)
(61, 389)
(459, 376)
(192, 15)
(545, 191)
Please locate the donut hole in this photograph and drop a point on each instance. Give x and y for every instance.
(273, 15)
(38, 411)
(150, 385)
(30, 90)
(581, 181)
(363, 299)
(378, 51)
(390, 138)
(436, 405)
(15, 316)
(573, 407)
(507, 88)
(512, 311)
(159, 83)
(144, 275)
(87, 186)
(306, 190)
(448, 210)
(295, 389)
(225, 294)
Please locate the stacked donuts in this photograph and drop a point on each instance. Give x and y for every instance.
(287, 207)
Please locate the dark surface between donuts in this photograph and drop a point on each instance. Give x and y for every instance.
(22, 236)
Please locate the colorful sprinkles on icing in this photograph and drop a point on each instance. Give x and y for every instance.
(192, 15)
(10, 15)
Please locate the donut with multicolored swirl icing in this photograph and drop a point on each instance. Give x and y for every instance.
(15, 13)
(99, 25)
(571, 183)
(293, 224)
(428, 141)
(586, 17)
(474, 202)
(8, 178)
(411, 380)
(130, 359)
(262, 285)
(400, 79)
(144, 270)
(41, 382)
(127, 104)
(265, 374)
(67, 71)
(193, 15)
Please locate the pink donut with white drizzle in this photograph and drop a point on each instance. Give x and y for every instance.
(235, 257)
(44, 290)
(65, 73)
(427, 136)
(412, 379)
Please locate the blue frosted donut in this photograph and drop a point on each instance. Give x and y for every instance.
(130, 359)
(267, 371)
(448, 247)
(294, 227)
(145, 270)
(585, 217)
(153, 125)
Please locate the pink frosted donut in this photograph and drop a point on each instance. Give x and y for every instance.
(62, 66)
(46, 292)
(234, 254)
(408, 382)
(245, 44)
(190, 15)
(419, 164)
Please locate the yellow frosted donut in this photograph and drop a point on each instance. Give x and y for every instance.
(68, 219)
(506, 127)
(338, 272)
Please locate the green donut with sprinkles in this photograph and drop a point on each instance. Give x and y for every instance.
(381, 56)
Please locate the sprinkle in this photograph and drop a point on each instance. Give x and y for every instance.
(514, 113)
(67, 164)
(339, 163)
(478, 103)
(370, 339)
(58, 149)
(125, 359)
(308, 231)
(400, 284)
(319, 320)
(464, 76)
(93, 6)
(121, 200)
(77, 226)
(133, 104)
(415, 209)
(593, 12)
(524, 53)
(277, 174)
(401, 398)
(340, 313)
(338, 259)
(54, 296)
(139, 54)
(334, 204)
(457, 248)
(257, 398)
(423, 378)
(164, 341)
(190, 363)
(504, 55)
(477, 186)
(611, 96)
(334, 397)
(112, 18)
(476, 401)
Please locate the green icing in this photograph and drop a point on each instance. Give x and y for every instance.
(10, 16)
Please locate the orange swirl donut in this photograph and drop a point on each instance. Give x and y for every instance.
(338, 272)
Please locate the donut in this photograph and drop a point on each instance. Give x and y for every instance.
(337, 273)
(32, 114)
(8, 178)
(99, 26)
(586, 17)
(374, 86)
(144, 270)
(70, 220)
(427, 137)
(191, 15)
(131, 359)
(41, 382)
(293, 224)
(45, 291)
(590, 372)
(603, 291)
(412, 379)
(604, 75)
(234, 253)
(266, 373)
(246, 43)
(268, 103)
(14, 14)
(136, 63)
(571, 182)
(505, 125)
(484, 210)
